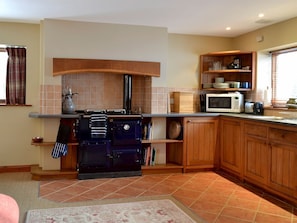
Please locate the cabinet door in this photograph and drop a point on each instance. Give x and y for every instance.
(283, 168)
(200, 140)
(256, 159)
(231, 148)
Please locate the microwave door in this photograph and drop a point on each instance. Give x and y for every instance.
(219, 104)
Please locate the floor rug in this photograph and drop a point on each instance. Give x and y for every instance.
(152, 211)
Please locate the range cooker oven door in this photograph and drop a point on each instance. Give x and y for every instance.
(126, 158)
(83, 131)
(94, 156)
(125, 131)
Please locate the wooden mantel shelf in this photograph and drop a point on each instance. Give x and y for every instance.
(62, 66)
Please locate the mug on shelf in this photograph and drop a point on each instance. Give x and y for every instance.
(244, 84)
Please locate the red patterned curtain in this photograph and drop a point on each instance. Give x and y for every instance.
(16, 76)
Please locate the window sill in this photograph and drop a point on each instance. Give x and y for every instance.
(287, 113)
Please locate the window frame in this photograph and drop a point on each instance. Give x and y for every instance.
(276, 103)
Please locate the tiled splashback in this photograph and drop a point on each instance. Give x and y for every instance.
(50, 99)
(96, 91)
(105, 90)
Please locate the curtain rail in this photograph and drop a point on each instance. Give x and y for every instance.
(3, 46)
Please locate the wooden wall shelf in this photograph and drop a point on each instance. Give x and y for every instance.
(161, 141)
(51, 143)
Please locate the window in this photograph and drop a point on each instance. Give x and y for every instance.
(3, 72)
(12, 75)
(284, 76)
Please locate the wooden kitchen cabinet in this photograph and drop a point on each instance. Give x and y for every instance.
(231, 155)
(283, 161)
(256, 153)
(200, 142)
(245, 73)
(268, 157)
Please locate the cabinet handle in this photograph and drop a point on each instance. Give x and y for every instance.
(189, 121)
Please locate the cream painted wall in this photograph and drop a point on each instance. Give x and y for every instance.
(280, 34)
(183, 57)
(17, 128)
(67, 39)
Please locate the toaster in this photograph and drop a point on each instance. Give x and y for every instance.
(249, 107)
(255, 108)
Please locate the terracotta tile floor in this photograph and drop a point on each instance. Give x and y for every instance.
(210, 195)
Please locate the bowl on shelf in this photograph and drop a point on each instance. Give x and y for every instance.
(37, 139)
(221, 85)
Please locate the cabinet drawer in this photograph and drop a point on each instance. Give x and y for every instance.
(283, 135)
(256, 130)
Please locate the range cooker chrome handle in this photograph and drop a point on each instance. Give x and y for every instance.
(126, 127)
(109, 156)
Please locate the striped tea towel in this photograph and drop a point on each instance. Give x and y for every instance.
(98, 125)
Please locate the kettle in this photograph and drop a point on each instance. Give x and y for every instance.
(258, 108)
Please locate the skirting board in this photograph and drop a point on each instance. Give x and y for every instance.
(84, 176)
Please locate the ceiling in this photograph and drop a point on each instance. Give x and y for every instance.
(198, 17)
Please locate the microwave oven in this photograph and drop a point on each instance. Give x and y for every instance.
(227, 102)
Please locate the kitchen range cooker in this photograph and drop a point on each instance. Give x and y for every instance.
(109, 143)
(110, 140)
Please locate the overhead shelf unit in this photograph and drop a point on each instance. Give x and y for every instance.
(221, 64)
